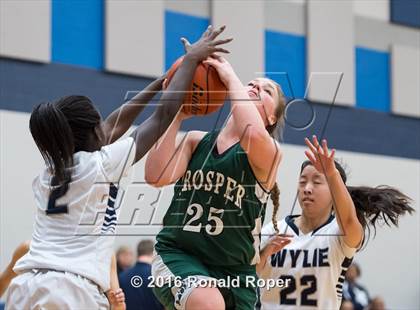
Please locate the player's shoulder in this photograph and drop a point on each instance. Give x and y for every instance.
(84, 163)
(329, 227)
(113, 154)
(269, 227)
(194, 137)
(121, 145)
(288, 224)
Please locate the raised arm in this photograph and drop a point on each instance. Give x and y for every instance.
(119, 121)
(168, 161)
(323, 161)
(262, 150)
(115, 294)
(151, 130)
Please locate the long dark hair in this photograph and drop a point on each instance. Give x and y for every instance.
(62, 128)
(373, 204)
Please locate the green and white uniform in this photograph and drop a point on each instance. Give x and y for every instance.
(212, 227)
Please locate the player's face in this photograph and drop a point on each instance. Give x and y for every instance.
(265, 96)
(313, 193)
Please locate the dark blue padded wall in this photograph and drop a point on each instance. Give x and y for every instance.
(24, 84)
(405, 12)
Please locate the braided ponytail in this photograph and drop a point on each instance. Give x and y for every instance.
(275, 197)
(276, 132)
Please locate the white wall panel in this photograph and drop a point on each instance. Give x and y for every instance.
(25, 29)
(405, 68)
(196, 8)
(245, 23)
(377, 9)
(134, 37)
(285, 16)
(330, 51)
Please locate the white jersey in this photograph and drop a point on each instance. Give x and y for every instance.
(314, 265)
(81, 240)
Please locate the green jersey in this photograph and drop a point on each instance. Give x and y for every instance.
(217, 209)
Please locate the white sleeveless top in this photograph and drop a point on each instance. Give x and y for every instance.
(81, 240)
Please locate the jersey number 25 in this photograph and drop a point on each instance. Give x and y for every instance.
(215, 223)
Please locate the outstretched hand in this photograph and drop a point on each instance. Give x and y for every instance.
(320, 157)
(206, 45)
(117, 299)
(277, 243)
(222, 66)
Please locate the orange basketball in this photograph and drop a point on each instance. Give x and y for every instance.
(207, 92)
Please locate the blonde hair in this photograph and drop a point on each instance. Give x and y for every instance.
(276, 130)
(275, 197)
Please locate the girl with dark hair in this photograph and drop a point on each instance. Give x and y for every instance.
(223, 181)
(326, 236)
(78, 194)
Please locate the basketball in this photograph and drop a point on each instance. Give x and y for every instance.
(207, 92)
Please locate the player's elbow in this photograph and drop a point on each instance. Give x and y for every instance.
(353, 224)
(353, 228)
(154, 178)
(155, 183)
(151, 177)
